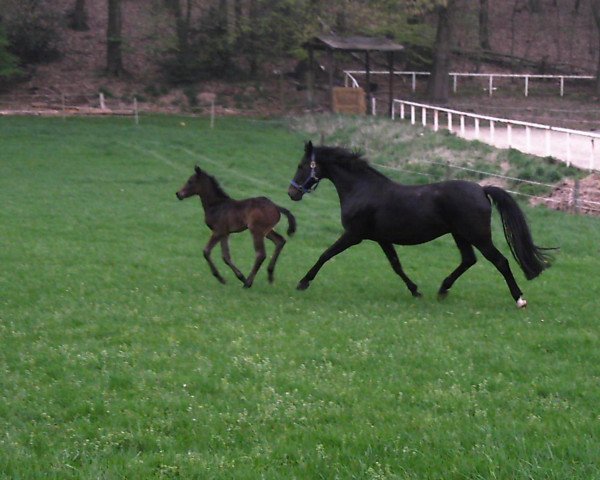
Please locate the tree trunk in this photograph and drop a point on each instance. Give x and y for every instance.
(438, 85)
(484, 32)
(79, 17)
(114, 40)
(596, 14)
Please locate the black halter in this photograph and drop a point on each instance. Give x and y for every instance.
(310, 184)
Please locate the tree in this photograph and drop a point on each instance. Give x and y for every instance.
(484, 33)
(114, 39)
(9, 67)
(596, 14)
(78, 16)
(438, 85)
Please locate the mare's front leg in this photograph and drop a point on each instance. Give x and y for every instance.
(214, 239)
(392, 256)
(345, 241)
(227, 259)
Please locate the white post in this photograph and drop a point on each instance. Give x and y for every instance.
(454, 82)
(435, 120)
(135, 111)
(491, 84)
(402, 111)
(568, 149)
(393, 110)
(102, 105)
(412, 115)
(462, 125)
(212, 113)
(476, 128)
(424, 116)
(492, 131)
(562, 86)
(526, 85)
(509, 134)
(414, 81)
(449, 121)
(528, 138)
(548, 142)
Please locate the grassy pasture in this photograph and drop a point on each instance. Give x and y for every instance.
(122, 357)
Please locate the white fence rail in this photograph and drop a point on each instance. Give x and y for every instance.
(350, 78)
(575, 147)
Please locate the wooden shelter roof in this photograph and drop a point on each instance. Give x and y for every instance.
(353, 44)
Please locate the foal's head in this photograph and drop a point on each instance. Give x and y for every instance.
(193, 186)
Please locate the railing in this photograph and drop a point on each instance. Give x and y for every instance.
(565, 144)
(350, 78)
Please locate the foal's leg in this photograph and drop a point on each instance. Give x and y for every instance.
(392, 256)
(214, 239)
(279, 242)
(345, 241)
(259, 248)
(227, 259)
(468, 259)
(490, 252)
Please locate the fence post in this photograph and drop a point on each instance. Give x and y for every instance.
(491, 84)
(449, 121)
(135, 111)
(435, 120)
(526, 85)
(576, 188)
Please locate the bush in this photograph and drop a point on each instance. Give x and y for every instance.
(32, 30)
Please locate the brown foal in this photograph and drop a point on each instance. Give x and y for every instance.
(224, 215)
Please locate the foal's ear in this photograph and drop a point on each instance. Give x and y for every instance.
(197, 170)
(308, 147)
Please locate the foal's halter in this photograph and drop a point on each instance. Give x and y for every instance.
(310, 184)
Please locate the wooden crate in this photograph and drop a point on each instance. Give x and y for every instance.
(349, 100)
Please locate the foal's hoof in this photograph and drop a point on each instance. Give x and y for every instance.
(416, 294)
(303, 285)
(247, 284)
(442, 294)
(221, 280)
(521, 302)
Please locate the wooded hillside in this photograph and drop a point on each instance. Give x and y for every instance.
(173, 50)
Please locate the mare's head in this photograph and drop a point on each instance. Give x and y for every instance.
(193, 186)
(307, 175)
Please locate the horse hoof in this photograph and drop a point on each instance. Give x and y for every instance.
(247, 285)
(302, 285)
(221, 280)
(442, 294)
(417, 294)
(521, 302)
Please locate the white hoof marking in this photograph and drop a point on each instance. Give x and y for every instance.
(521, 302)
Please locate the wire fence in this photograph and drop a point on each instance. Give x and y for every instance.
(570, 200)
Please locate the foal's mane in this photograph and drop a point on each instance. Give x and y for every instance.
(352, 160)
(217, 189)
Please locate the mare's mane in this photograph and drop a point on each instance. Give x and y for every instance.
(352, 160)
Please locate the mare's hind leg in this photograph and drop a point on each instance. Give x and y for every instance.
(259, 248)
(214, 239)
(468, 259)
(227, 259)
(392, 256)
(279, 242)
(490, 252)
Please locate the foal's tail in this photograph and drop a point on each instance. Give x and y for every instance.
(532, 259)
(291, 220)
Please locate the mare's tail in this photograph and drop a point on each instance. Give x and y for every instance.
(531, 258)
(291, 220)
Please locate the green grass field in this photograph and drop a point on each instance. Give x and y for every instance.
(122, 357)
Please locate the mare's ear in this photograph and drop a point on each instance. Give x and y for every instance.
(197, 170)
(308, 148)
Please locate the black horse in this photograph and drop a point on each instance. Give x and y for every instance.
(379, 209)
